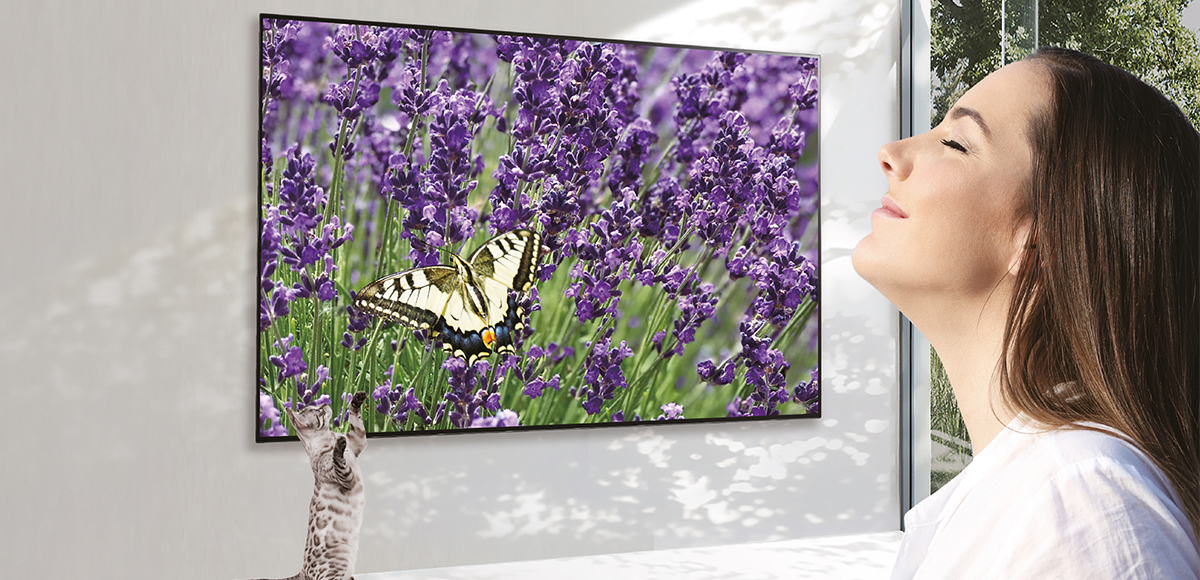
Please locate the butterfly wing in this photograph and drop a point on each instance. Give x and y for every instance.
(434, 298)
(509, 258)
(505, 315)
(506, 262)
(416, 298)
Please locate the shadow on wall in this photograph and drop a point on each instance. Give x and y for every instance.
(616, 489)
(839, 31)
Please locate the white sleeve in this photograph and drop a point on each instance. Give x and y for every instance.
(1101, 519)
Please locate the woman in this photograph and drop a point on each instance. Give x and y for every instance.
(1045, 238)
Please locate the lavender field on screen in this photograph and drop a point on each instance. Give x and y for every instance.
(674, 189)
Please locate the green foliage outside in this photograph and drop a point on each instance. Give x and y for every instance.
(1145, 37)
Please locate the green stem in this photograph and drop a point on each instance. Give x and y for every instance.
(794, 326)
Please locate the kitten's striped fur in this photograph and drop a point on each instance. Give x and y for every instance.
(336, 511)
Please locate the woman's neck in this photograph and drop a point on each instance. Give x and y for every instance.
(969, 340)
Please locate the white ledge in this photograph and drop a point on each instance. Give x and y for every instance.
(857, 557)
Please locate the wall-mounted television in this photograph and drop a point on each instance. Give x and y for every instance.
(499, 230)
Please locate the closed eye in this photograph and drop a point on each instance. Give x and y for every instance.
(954, 145)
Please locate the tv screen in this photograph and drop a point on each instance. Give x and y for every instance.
(485, 229)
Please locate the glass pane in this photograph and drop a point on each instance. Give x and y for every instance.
(950, 446)
(972, 39)
(969, 40)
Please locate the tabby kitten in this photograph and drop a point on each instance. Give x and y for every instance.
(336, 511)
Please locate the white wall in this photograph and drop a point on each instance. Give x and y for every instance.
(127, 193)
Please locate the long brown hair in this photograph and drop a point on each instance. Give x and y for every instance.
(1104, 324)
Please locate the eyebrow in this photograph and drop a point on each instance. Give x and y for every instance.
(960, 112)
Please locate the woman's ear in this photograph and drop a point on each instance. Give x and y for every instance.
(1023, 242)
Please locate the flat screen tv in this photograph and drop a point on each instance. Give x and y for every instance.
(486, 229)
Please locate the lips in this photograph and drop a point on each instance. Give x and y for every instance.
(890, 209)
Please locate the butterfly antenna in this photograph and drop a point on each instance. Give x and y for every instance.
(418, 243)
(461, 245)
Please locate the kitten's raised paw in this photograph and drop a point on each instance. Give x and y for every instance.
(357, 402)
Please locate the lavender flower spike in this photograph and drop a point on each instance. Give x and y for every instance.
(504, 418)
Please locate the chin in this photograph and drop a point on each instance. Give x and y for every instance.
(861, 259)
(878, 267)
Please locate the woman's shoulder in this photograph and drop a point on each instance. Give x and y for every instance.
(1079, 453)
(1072, 502)
(1087, 442)
(1099, 478)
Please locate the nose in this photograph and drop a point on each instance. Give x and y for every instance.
(893, 161)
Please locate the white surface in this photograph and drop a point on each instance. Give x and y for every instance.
(128, 187)
(856, 557)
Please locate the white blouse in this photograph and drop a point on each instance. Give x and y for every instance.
(1063, 504)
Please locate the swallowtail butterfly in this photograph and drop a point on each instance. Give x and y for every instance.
(466, 304)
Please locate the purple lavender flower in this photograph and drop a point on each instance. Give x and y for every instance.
(603, 375)
(383, 394)
(356, 322)
(301, 213)
(504, 418)
(367, 54)
(412, 404)
(291, 363)
(397, 403)
(536, 62)
(406, 403)
(468, 58)
(464, 400)
(307, 392)
(535, 387)
(604, 264)
(664, 207)
(708, 94)
(671, 411)
(709, 372)
(355, 45)
(766, 374)
(808, 393)
(720, 183)
(277, 34)
(696, 305)
(449, 176)
(269, 424)
(271, 305)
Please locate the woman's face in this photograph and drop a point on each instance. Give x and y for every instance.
(952, 223)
